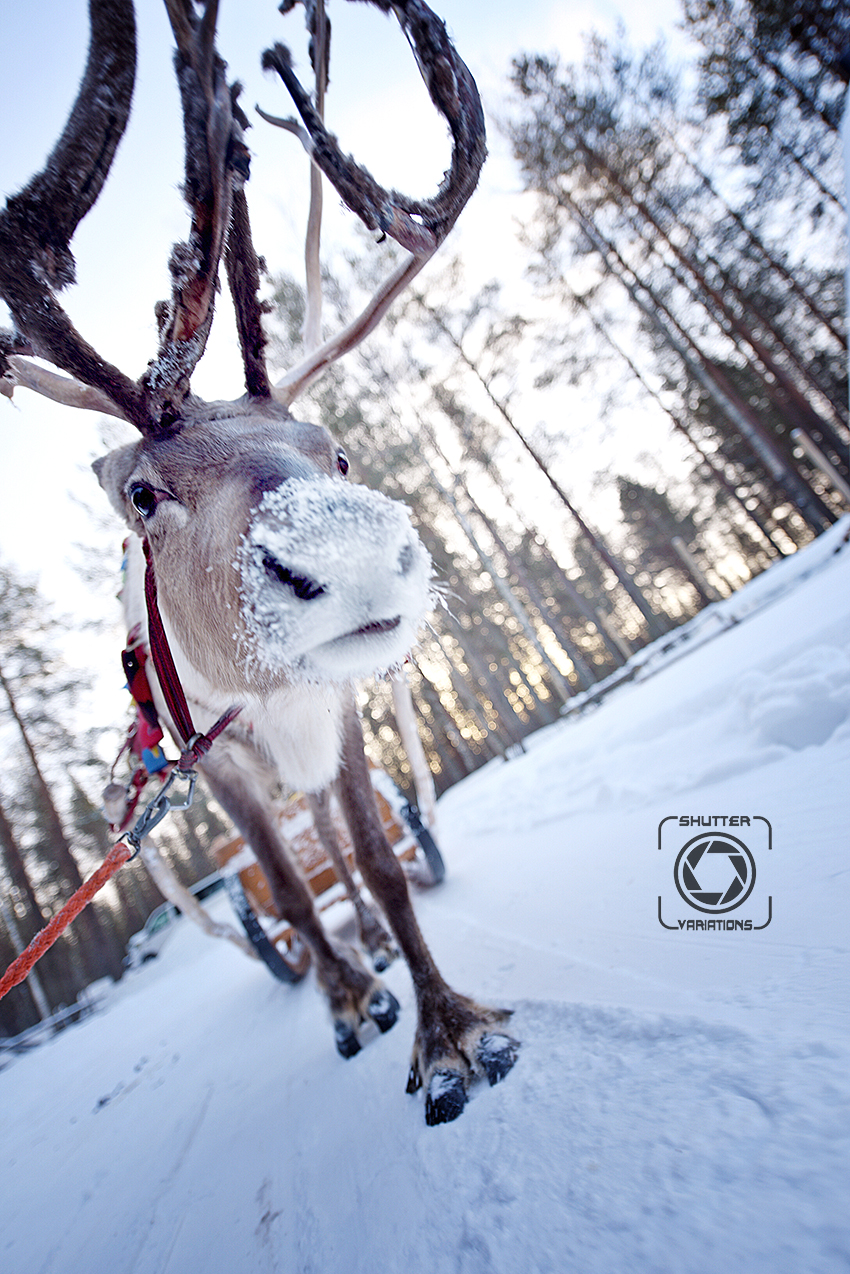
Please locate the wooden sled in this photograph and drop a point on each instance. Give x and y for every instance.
(273, 938)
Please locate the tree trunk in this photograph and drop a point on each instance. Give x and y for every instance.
(760, 246)
(19, 875)
(506, 593)
(654, 627)
(707, 373)
(101, 954)
(734, 326)
(680, 426)
(584, 673)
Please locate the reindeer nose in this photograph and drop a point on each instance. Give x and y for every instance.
(405, 559)
(306, 589)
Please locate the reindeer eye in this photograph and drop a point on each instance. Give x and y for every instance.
(143, 499)
(342, 462)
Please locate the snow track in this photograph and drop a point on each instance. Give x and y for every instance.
(681, 1102)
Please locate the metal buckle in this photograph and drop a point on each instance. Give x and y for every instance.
(155, 812)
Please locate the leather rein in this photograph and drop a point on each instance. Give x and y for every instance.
(195, 744)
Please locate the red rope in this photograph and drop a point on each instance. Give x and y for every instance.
(20, 968)
(196, 746)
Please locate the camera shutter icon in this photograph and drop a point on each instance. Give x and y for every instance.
(715, 874)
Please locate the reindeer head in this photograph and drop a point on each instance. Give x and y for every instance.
(268, 563)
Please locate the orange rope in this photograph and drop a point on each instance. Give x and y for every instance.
(20, 968)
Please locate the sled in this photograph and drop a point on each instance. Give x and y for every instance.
(273, 938)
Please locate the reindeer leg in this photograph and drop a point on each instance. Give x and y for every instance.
(352, 992)
(373, 935)
(455, 1037)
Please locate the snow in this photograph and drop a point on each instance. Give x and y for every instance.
(681, 1100)
(356, 554)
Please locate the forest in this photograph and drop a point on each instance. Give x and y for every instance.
(682, 245)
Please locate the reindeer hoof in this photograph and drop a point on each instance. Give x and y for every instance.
(347, 1043)
(496, 1055)
(384, 1009)
(449, 1072)
(445, 1099)
(383, 958)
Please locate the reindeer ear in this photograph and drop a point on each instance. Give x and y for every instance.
(112, 473)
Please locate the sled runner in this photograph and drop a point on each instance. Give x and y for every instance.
(273, 938)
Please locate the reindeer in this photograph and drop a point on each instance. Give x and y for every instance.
(265, 583)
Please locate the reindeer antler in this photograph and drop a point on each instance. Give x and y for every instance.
(216, 160)
(420, 226)
(37, 225)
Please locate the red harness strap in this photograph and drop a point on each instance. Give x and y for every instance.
(195, 745)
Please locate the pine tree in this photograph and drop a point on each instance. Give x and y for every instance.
(36, 691)
(624, 203)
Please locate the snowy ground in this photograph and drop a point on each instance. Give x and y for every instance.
(681, 1098)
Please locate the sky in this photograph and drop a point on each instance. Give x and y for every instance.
(49, 498)
(681, 1101)
(122, 247)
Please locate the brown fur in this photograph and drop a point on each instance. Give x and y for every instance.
(276, 588)
(208, 480)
